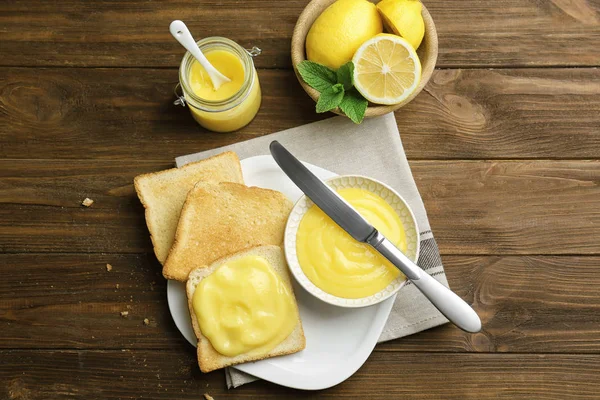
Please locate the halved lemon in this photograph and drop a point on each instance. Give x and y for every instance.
(386, 69)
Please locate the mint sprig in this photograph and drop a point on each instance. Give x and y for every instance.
(330, 98)
(336, 89)
(316, 75)
(344, 75)
(354, 106)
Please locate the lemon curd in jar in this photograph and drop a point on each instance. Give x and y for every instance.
(337, 263)
(235, 103)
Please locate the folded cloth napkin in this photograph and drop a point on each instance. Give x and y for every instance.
(373, 149)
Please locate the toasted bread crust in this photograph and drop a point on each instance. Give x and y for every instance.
(163, 194)
(221, 219)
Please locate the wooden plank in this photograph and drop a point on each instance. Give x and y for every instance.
(42, 199)
(55, 301)
(518, 207)
(173, 374)
(73, 301)
(466, 114)
(124, 114)
(135, 33)
(462, 114)
(517, 33)
(527, 304)
(475, 207)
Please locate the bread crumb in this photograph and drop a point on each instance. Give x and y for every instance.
(208, 396)
(146, 321)
(124, 314)
(108, 267)
(87, 202)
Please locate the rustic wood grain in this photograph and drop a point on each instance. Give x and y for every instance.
(135, 33)
(490, 114)
(56, 301)
(535, 207)
(527, 304)
(462, 114)
(124, 114)
(506, 159)
(173, 374)
(474, 207)
(73, 301)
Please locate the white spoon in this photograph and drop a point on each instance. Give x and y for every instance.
(183, 36)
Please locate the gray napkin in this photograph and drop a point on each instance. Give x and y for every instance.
(373, 149)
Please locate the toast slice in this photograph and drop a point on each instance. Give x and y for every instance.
(208, 358)
(163, 194)
(221, 219)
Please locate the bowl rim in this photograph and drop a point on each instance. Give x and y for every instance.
(296, 269)
(298, 54)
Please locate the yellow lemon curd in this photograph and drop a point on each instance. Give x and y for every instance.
(244, 307)
(340, 265)
(227, 120)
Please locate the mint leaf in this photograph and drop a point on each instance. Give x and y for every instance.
(335, 88)
(330, 98)
(344, 75)
(354, 105)
(316, 75)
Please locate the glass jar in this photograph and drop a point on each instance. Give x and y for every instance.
(229, 114)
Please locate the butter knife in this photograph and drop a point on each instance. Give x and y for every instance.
(446, 301)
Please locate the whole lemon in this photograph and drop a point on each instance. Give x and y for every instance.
(336, 34)
(403, 17)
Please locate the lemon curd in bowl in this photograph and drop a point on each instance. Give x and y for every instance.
(337, 263)
(336, 268)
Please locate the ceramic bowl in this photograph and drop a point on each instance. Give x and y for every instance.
(427, 52)
(392, 198)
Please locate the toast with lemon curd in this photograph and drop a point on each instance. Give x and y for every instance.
(243, 309)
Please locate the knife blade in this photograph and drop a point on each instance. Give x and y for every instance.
(343, 214)
(322, 195)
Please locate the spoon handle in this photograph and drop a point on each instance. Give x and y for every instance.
(182, 34)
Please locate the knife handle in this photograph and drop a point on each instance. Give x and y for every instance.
(445, 300)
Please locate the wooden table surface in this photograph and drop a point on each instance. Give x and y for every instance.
(504, 143)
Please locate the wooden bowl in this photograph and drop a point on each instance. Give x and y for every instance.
(427, 52)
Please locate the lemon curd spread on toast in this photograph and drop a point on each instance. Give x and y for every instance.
(337, 263)
(244, 307)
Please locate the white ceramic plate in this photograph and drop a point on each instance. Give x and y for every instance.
(338, 340)
(400, 206)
